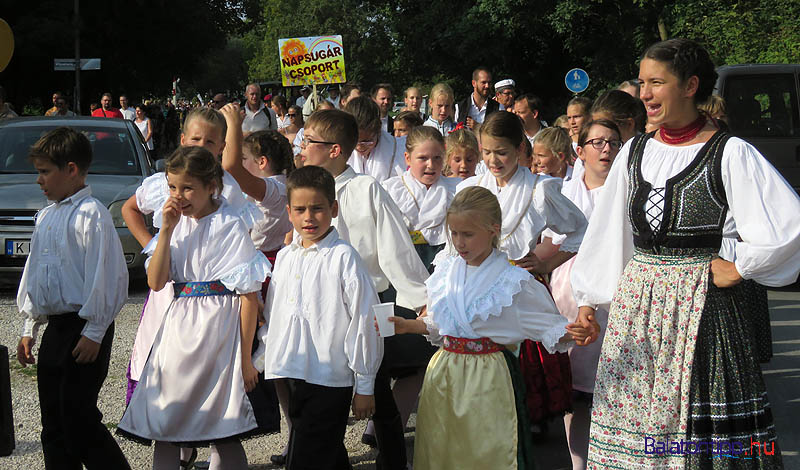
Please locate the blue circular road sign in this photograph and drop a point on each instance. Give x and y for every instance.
(577, 80)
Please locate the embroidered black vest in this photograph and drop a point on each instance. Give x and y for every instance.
(695, 204)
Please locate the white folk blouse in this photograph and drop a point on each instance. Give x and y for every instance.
(494, 300)
(762, 209)
(320, 321)
(269, 232)
(386, 159)
(371, 222)
(423, 208)
(530, 203)
(75, 265)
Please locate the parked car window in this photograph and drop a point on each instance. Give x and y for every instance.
(762, 106)
(113, 153)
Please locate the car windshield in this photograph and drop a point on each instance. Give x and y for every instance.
(113, 151)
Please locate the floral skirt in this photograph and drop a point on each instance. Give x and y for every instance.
(677, 384)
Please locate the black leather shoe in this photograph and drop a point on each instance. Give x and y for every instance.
(369, 440)
(278, 459)
(188, 465)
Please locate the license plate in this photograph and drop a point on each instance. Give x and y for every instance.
(18, 247)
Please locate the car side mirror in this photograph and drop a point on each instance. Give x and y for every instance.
(161, 165)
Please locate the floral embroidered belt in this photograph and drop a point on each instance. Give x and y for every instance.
(417, 238)
(201, 289)
(471, 346)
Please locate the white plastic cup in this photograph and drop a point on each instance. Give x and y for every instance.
(382, 314)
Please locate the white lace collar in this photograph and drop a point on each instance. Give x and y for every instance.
(457, 301)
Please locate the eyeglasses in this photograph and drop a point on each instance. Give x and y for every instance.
(365, 143)
(308, 140)
(600, 143)
(291, 115)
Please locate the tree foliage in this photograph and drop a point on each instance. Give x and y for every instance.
(143, 44)
(409, 42)
(218, 44)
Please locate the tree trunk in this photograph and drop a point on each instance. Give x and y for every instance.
(662, 29)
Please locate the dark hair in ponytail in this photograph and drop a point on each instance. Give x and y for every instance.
(196, 162)
(275, 147)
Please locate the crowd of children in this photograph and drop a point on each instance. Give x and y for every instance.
(267, 263)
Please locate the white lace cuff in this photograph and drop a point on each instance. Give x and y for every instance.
(247, 277)
(433, 335)
(552, 336)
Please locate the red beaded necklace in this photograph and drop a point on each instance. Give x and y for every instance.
(684, 134)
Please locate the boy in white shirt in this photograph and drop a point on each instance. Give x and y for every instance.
(371, 222)
(75, 279)
(321, 334)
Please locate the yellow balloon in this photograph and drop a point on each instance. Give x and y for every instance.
(6, 44)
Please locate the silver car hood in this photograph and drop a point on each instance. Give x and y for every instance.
(20, 191)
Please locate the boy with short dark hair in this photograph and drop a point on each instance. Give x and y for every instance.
(76, 280)
(320, 331)
(371, 222)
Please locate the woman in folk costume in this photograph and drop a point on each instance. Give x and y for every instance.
(530, 203)
(472, 413)
(676, 363)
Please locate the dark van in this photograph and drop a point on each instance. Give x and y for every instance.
(763, 108)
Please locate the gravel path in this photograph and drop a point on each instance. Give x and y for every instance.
(28, 452)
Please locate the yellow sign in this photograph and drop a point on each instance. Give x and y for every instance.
(6, 44)
(313, 60)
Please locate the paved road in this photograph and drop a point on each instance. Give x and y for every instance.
(782, 376)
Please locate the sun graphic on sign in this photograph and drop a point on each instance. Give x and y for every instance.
(293, 48)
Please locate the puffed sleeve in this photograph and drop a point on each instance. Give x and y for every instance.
(152, 195)
(765, 208)
(105, 287)
(560, 214)
(608, 244)
(245, 268)
(274, 202)
(538, 318)
(242, 207)
(362, 345)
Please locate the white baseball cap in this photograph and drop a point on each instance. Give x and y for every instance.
(507, 83)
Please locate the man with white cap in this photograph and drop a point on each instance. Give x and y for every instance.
(504, 93)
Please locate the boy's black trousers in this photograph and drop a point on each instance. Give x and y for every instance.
(73, 433)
